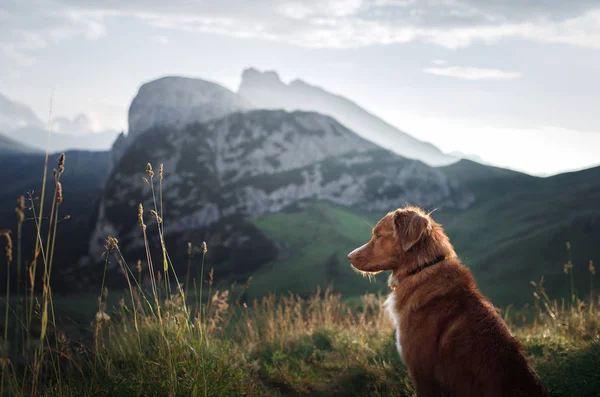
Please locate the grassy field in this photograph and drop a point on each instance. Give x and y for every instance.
(316, 346)
(164, 337)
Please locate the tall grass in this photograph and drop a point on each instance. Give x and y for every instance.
(171, 339)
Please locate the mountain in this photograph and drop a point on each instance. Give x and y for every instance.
(21, 125)
(467, 156)
(265, 90)
(14, 115)
(38, 137)
(8, 145)
(221, 174)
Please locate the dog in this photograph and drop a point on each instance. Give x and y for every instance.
(451, 338)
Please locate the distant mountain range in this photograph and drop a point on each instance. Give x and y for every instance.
(20, 124)
(15, 115)
(10, 146)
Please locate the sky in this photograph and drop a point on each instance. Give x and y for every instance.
(514, 82)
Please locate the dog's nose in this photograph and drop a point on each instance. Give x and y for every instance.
(351, 255)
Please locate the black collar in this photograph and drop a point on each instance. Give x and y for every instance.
(423, 266)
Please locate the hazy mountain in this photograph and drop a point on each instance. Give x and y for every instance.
(14, 115)
(178, 101)
(38, 137)
(8, 145)
(175, 102)
(219, 174)
(265, 90)
(21, 125)
(468, 156)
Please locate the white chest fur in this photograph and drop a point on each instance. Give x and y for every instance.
(390, 307)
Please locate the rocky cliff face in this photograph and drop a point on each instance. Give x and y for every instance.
(265, 90)
(221, 171)
(175, 102)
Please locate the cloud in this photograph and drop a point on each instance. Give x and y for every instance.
(439, 61)
(450, 24)
(471, 73)
(27, 27)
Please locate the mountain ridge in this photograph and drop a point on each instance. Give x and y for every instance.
(266, 90)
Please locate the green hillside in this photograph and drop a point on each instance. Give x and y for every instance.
(518, 229)
(515, 233)
(313, 243)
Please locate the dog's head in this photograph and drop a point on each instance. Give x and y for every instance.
(392, 240)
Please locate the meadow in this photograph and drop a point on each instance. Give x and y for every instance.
(174, 334)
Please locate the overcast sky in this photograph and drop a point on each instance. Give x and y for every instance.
(512, 81)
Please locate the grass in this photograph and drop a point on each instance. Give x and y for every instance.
(158, 338)
(313, 243)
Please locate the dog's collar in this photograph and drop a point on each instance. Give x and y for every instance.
(425, 265)
(393, 283)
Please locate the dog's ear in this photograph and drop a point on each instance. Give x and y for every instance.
(409, 227)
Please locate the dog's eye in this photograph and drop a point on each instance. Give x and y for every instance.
(377, 236)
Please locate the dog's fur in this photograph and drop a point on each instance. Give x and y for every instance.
(450, 337)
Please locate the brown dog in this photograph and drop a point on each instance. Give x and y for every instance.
(450, 337)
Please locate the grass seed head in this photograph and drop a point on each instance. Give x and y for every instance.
(204, 248)
(19, 209)
(61, 164)
(149, 170)
(567, 267)
(8, 248)
(141, 216)
(158, 218)
(21, 203)
(111, 243)
(160, 171)
(592, 268)
(59, 193)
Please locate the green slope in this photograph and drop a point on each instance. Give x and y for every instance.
(313, 243)
(518, 229)
(515, 233)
